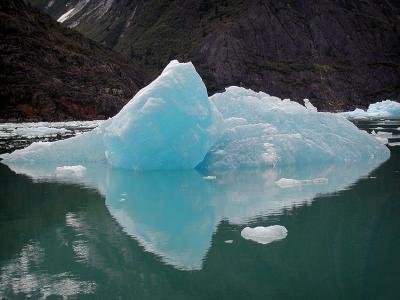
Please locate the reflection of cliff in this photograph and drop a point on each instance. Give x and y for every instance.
(339, 245)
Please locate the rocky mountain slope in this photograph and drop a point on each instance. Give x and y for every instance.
(340, 54)
(50, 73)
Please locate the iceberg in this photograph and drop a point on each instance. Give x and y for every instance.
(172, 124)
(265, 131)
(386, 108)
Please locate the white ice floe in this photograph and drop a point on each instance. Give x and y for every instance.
(265, 131)
(394, 144)
(264, 235)
(45, 129)
(386, 108)
(382, 133)
(172, 124)
(381, 136)
(288, 183)
(40, 131)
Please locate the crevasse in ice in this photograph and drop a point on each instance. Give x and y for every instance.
(172, 124)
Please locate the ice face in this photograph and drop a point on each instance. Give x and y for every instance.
(386, 108)
(172, 124)
(265, 131)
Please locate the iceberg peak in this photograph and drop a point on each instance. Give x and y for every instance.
(170, 124)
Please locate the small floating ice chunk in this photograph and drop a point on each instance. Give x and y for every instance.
(381, 136)
(228, 242)
(382, 133)
(264, 235)
(40, 131)
(210, 177)
(289, 183)
(394, 144)
(78, 170)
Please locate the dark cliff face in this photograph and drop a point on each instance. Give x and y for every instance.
(339, 54)
(50, 73)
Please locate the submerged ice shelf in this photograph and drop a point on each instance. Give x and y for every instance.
(172, 124)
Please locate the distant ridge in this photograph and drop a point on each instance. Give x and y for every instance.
(339, 54)
(51, 73)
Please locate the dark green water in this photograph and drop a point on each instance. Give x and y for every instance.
(166, 239)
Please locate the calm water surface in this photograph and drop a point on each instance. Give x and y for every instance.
(114, 234)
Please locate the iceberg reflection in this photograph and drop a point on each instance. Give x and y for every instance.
(174, 214)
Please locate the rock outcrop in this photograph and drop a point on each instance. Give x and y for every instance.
(339, 54)
(51, 73)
